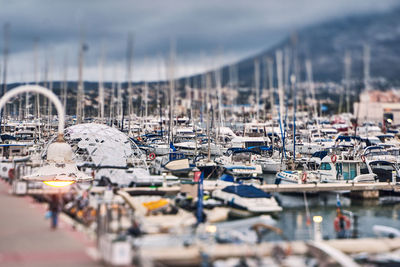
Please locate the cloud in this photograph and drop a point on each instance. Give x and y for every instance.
(200, 28)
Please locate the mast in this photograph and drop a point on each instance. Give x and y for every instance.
(35, 71)
(272, 101)
(20, 98)
(50, 79)
(220, 115)
(280, 91)
(347, 68)
(145, 98)
(129, 60)
(80, 105)
(112, 98)
(119, 102)
(257, 86)
(208, 107)
(5, 61)
(366, 59)
(293, 82)
(312, 90)
(171, 89)
(65, 83)
(159, 102)
(5, 58)
(100, 110)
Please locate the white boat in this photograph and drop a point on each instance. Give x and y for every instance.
(10, 156)
(378, 153)
(247, 197)
(333, 169)
(142, 177)
(240, 162)
(272, 164)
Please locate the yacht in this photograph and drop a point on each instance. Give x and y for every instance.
(247, 197)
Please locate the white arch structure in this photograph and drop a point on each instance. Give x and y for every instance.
(39, 90)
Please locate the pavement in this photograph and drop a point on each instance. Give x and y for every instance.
(27, 240)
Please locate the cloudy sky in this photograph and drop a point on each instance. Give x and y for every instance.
(207, 33)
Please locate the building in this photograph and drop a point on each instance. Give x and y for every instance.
(376, 105)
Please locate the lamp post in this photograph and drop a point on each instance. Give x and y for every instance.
(59, 169)
(317, 228)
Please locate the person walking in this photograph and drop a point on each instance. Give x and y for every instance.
(55, 207)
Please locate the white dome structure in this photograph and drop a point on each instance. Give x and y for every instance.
(106, 150)
(101, 145)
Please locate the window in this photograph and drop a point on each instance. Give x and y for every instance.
(364, 168)
(15, 151)
(325, 166)
(349, 171)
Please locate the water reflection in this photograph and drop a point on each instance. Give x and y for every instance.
(293, 220)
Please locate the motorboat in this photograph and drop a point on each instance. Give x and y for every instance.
(247, 197)
(237, 161)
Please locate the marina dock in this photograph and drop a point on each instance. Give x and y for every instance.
(270, 188)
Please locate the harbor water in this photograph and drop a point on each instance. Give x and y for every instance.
(293, 219)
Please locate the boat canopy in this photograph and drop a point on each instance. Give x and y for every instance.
(247, 191)
(347, 138)
(262, 148)
(5, 137)
(320, 154)
(236, 150)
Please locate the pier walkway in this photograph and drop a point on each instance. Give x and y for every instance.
(27, 240)
(283, 188)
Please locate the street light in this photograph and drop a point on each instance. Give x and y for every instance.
(317, 228)
(59, 169)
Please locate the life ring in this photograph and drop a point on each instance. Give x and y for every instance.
(11, 174)
(304, 177)
(336, 223)
(363, 158)
(333, 158)
(151, 156)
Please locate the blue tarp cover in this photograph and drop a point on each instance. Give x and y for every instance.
(247, 191)
(320, 154)
(239, 167)
(5, 137)
(347, 138)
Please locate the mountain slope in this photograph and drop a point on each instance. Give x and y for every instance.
(325, 44)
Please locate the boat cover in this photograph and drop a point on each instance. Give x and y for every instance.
(247, 191)
(320, 154)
